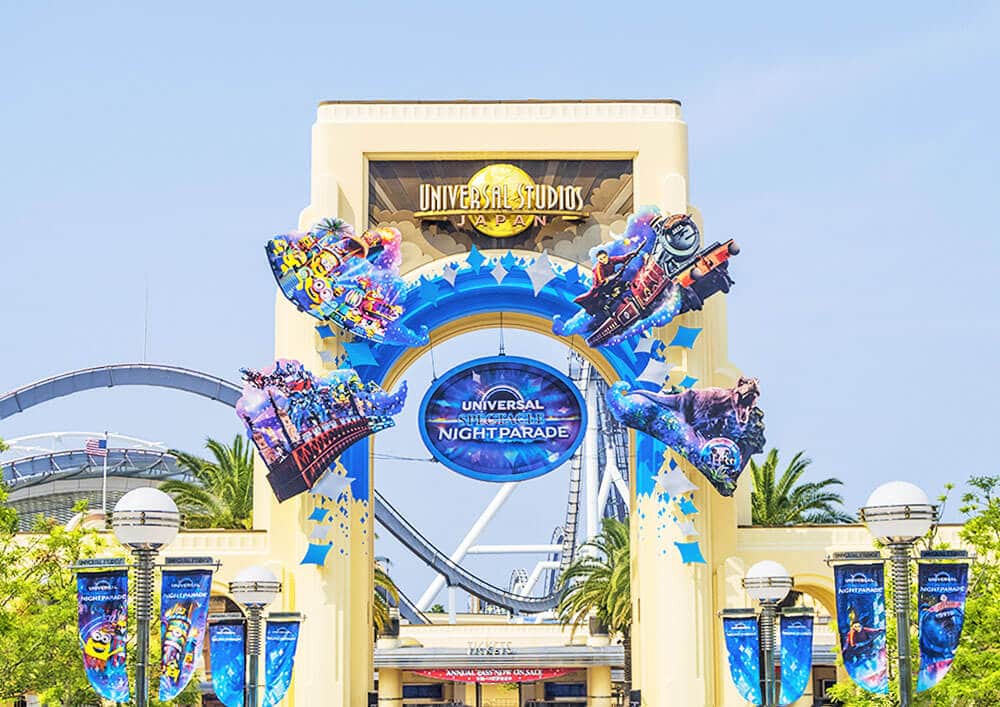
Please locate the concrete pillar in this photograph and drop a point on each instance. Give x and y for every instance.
(599, 686)
(390, 687)
(470, 693)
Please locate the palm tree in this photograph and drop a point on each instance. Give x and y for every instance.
(221, 495)
(599, 582)
(384, 588)
(784, 501)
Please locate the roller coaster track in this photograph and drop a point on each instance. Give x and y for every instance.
(147, 374)
(455, 575)
(38, 469)
(224, 391)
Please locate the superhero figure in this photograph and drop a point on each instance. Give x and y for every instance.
(608, 284)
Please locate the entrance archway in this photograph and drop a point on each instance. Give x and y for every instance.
(475, 296)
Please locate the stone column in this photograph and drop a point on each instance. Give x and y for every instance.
(390, 687)
(599, 686)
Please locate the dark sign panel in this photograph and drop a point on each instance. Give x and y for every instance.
(445, 207)
(503, 419)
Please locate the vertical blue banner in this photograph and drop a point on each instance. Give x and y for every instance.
(280, 641)
(743, 646)
(227, 650)
(796, 657)
(861, 624)
(102, 608)
(942, 588)
(183, 614)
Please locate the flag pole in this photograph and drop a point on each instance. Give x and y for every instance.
(104, 479)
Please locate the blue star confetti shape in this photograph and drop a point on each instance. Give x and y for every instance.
(685, 337)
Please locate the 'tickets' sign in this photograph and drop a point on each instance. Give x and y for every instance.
(502, 419)
(492, 675)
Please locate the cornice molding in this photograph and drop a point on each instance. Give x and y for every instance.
(538, 112)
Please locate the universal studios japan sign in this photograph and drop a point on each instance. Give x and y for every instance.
(502, 418)
(500, 200)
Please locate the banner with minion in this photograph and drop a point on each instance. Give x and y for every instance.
(861, 623)
(301, 423)
(183, 615)
(280, 641)
(353, 281)
(743, 647)
(941, 588)
(227, 648)
(796, 656)
(102, 610)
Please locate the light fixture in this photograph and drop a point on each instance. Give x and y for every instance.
(767, 581)
(255, 587)
(898, 512)
(145, 519)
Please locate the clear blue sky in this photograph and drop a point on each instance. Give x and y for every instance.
(852, 149)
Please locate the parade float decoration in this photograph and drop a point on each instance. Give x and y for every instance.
(300, 423)
(646, 276)
(353, 281)
(715, 429)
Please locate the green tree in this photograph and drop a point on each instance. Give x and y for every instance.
(384, 587)
(221, 495)
(783, 500)
(39, 648)
(436, 609)
(599, 582)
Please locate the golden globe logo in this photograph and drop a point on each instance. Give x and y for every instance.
(500, 200)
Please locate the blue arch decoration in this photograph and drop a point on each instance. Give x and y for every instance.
(481, 285)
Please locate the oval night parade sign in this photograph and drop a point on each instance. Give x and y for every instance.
(503, 418)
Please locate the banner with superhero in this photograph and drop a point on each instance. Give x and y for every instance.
(300, 423)
(942, 588)
(743, 647)
(102, 610)
(796, 656)
(861, 624)
(227, 648)
(183, 613)
(716, 429)
(280, 641)
(353, 281)
(646, 276)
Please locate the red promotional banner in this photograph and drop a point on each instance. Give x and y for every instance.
(494, 674)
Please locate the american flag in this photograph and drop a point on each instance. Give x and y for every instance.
(97, 447)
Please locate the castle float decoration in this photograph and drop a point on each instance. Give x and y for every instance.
(300, 423)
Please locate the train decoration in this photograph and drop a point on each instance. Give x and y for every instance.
(646, 276)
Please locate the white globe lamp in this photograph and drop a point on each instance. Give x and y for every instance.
(767, 581)
(255, 586)
(898, 512)
(145, 519)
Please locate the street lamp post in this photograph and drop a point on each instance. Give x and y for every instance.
(768, 582)
(898, 514)
(254, 587)
(145, 519)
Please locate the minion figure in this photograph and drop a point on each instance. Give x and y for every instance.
(176, 630)
(102, 646)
